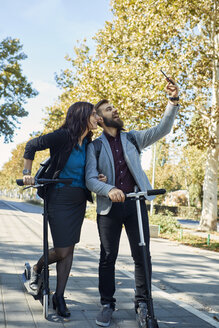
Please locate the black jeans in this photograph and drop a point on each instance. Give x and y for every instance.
(110, 227)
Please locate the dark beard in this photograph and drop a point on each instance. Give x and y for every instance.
(113, 124)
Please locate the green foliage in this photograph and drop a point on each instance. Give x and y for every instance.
(91, 212)
(192, 171)
(166, 171)
(167, 223)
(129, 53)
(14, 87)
(179, 168)
(143, 37)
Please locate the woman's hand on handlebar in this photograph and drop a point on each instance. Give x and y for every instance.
(28, 180)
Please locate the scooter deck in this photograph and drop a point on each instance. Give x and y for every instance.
(37, 294)
(26, 283)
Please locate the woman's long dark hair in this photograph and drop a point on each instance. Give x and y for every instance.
(77, 120)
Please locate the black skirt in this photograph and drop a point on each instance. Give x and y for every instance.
(66, 209)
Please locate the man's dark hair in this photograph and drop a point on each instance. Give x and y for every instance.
(97, 106)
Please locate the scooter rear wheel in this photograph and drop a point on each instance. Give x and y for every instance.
(27, 270)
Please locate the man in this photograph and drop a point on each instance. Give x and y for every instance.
(118, 159)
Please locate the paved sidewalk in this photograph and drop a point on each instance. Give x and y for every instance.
(20, 241)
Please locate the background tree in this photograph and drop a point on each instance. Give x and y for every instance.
(14, 87)
(180, 168)
(12, 170)
(167, 172)
(144, 36)
(192, 170)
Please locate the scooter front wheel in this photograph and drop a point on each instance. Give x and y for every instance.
(152, 323)
(45, 305)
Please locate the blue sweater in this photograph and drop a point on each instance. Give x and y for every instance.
(75, 167)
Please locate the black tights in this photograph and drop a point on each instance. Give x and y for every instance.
(63, 258)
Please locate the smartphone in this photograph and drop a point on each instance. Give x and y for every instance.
(168, 79)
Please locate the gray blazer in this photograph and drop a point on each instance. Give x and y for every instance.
(144, 139)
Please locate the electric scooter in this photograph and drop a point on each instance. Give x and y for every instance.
(151, 321)
(42, 292)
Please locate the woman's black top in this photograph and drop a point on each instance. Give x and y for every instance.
(60, 146)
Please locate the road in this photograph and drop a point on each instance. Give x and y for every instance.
(191, 223)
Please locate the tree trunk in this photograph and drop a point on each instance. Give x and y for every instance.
(209, 209)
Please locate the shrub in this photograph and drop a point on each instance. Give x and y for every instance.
(182, 211)
(167, 223)
(189, 212)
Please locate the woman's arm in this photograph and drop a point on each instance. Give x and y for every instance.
(28, 164)
(53, 141)
(27, 178)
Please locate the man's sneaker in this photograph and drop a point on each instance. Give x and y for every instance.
(141, 315)
(104, 316)
(34, 277)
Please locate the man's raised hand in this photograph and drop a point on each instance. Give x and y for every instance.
(172, 89)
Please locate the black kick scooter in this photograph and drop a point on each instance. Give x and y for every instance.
(42, 292)
(151, 321)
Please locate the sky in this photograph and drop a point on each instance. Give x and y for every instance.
(48, 31)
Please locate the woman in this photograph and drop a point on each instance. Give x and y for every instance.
(66, 203)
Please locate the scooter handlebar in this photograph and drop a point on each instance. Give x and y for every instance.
(142, 194)
(45, 181)
(20, 182)
(156, 192)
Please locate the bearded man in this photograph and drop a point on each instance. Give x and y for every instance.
(118, 159)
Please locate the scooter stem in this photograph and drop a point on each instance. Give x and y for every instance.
(151, 320)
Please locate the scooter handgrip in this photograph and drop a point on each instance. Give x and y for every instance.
(20, 182)
(154, 192)
(54, 181)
